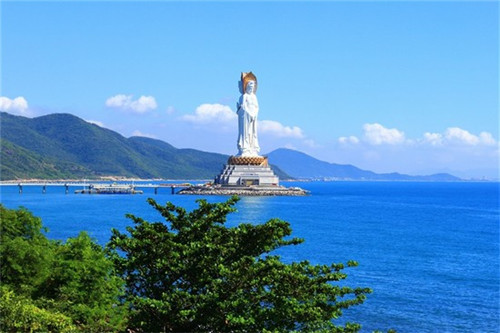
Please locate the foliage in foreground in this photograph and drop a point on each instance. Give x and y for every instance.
(49, 286)
(193, 273)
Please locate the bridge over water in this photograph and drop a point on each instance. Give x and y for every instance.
(88, 186)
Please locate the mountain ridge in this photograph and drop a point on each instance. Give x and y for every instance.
(61, 139)
(301, 165)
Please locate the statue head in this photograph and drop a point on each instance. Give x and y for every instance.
(246, 78)
(250, 87)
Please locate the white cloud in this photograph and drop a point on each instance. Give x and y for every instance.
(487, 138)
(348, 139)
(211, 113)
(458, 135)
(96, 122)
(277, 129)
(18, 105)
(223, 115)
(139, 133)
(126, 103)
(435, 139)
(447, 151)
(377, 134)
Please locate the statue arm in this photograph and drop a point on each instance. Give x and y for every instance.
(239, 104)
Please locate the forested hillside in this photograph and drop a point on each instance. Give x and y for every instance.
(65, 146)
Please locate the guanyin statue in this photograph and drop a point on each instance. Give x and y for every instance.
(248, 110)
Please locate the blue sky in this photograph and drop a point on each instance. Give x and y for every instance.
(384, 85)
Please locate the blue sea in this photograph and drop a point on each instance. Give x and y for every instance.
(429, 251)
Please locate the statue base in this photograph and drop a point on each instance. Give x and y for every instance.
(247, 171)
(248, 160)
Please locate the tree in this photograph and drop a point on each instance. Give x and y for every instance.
(193, 273)
(19, 314)
(26, 255)
(83, 286)
(46, 283)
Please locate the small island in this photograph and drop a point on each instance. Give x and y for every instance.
(218, 189)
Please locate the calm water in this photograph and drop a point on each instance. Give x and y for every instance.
(430, 251)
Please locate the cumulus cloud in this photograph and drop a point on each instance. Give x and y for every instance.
(277, 129)
(458, 136)
(223, 115)
(455, 134)
(377, 134)
(435, 139)
(211, 113)
(126, 103)
(487, 138)
(18, 105)
(450, 150)
(348, 139)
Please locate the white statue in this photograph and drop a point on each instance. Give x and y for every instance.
(247, 110)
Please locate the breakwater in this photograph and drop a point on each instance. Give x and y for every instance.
(244, 190)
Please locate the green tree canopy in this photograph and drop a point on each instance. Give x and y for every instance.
(26, 255)
(193, 273)
(46, 283)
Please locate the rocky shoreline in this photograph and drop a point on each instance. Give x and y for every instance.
(244, 191)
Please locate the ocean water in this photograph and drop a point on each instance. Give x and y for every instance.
(430, 251)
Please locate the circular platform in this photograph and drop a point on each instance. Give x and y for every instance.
(248, 160)
(245, 190)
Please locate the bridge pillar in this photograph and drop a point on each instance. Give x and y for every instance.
(20, 188)
(44, 189)
(173, 189)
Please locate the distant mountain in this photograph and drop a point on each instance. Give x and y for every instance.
(300, 165)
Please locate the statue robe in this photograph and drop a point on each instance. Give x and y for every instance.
(248, 109)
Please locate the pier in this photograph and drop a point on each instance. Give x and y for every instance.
(98, 187)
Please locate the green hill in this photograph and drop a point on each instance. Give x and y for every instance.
(65, 146)
(17, 162)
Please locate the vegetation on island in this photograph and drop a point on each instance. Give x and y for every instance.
(189, 273)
